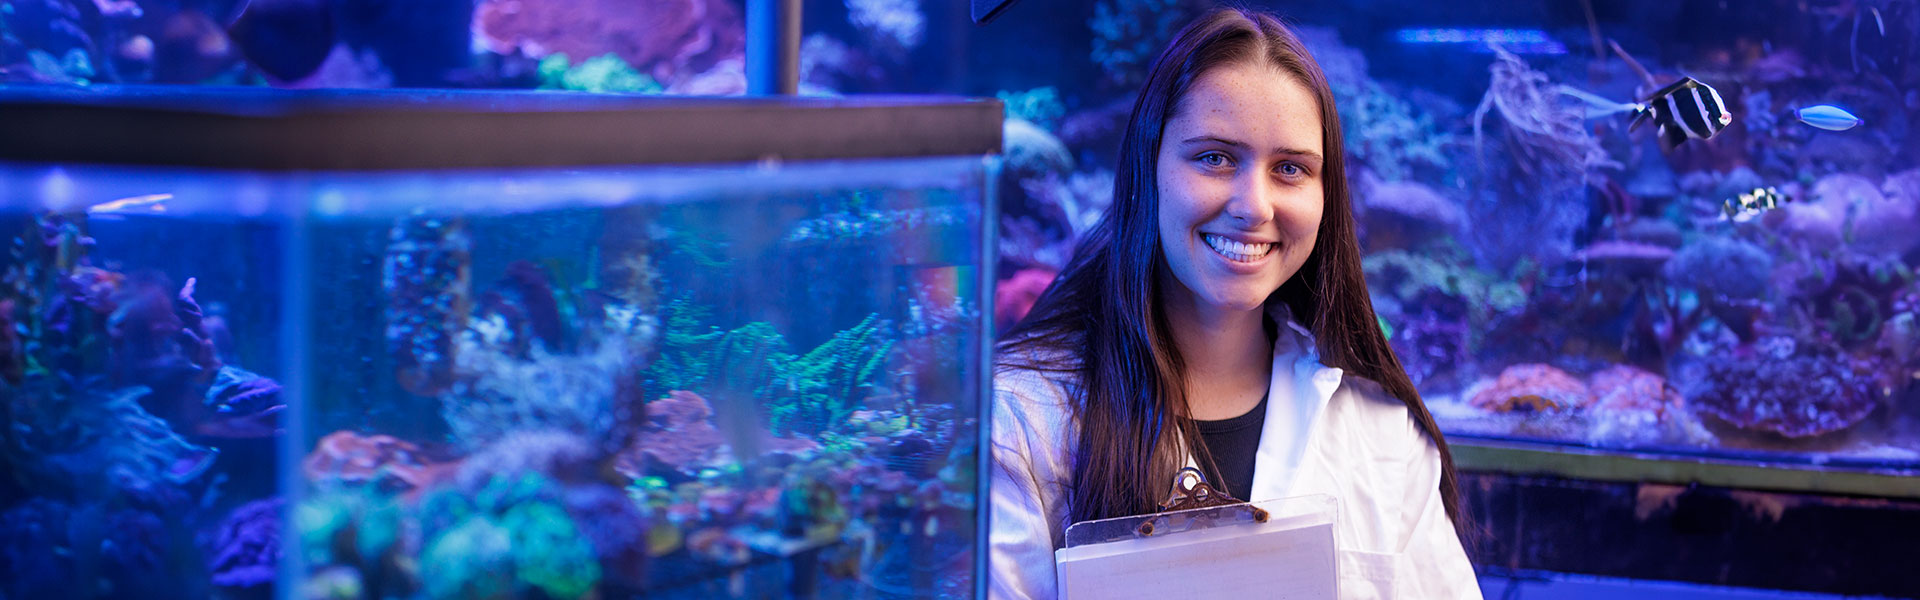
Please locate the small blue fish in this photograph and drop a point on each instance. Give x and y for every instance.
(1828, 117)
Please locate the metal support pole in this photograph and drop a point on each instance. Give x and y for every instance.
(773, 47)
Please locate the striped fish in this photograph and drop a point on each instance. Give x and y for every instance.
(1684, 109)
(1745, 207)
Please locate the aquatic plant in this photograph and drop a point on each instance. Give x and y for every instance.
(474, 560)
(604, 73)
(1040, 106)
(1534, 185)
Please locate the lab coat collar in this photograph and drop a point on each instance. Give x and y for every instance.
(1300, 388)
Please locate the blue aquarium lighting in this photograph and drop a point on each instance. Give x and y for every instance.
(1519, 41)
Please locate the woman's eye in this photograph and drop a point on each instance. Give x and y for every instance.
(1291, 170)
(1213, 159)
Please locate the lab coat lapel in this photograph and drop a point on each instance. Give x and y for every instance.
(1298, 391)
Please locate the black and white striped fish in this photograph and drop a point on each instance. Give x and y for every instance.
(1684, 109)
(1745, 207)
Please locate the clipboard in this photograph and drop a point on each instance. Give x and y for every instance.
(1281, 548)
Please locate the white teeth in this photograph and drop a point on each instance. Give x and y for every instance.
(1235, 250)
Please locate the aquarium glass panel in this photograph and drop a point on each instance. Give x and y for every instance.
(747, 381)
(680, 47)
(1684, 228)
(141, 401)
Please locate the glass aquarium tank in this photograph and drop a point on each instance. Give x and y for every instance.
(1584, 225)
(492, 345)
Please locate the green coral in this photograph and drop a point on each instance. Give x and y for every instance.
(1410, 275)
(807, 393)
(604, 73)
(1040, 106)
(1128, 35)
(474, 560)
(508, 540)
(74, 68)
(1384, 132)
(825, 385)
(549, 552)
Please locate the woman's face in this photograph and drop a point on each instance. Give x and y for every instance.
(1239, 177)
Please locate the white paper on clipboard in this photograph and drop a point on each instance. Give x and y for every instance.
(1217, 551)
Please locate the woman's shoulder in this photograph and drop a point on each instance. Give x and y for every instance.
(1367, 407)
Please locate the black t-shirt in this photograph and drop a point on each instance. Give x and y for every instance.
(1234, 442)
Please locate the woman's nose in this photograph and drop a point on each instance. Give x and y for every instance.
(1252, 201)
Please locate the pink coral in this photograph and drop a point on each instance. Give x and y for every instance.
(353, 458)
(669, 40)
(1015, 295)
(1625, 388)
(1531, 387)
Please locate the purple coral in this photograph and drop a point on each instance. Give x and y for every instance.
(1403, 214)
(246, 547)
(1722, 267)
(1799, 390)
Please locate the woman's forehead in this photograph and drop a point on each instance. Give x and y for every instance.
(1251, 103)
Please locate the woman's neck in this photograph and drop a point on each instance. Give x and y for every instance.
(1229, 359)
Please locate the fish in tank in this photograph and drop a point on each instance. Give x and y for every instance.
(1581, 225)
(736, 379)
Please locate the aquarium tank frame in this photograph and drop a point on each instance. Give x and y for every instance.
(125, 132)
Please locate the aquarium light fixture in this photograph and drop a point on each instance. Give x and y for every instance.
(1518, 41)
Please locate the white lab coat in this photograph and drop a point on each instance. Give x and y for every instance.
(1324, 434)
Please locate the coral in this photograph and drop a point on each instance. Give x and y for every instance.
(473, 560)
(1414, 279)
(894, 27)
(1629, 259)
(384, 461)
(1722, 268)
(669, 40)
(592, 393)
(816, 391)
(549, 552)
(1430, 347)
(1128, 35)
(1404, 214)
(1795, 389)
(246, 546)
(1039, 106)
(1883, 223)
(1533, 187)
(604, 73)
(51, 549)
(1015, 295)
(242, 405)
(426, 275)
(1531, 387)
(1540, 125)
(1625, 388)
(1031, 150)
(1076, 201)
(1385, 132)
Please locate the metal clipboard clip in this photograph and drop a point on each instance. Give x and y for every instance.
(1191, 491)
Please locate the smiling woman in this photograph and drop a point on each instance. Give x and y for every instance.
(1217, 317)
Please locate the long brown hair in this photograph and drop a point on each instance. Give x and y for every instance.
(1101, 321)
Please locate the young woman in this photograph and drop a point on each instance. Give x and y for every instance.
(1217, 317)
